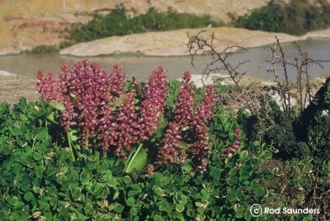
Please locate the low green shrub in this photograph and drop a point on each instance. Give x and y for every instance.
(42, 49)
(117, 23)
(296, 17)
(42, 181)
(52, 170)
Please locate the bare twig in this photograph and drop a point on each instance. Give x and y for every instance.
(200, 46)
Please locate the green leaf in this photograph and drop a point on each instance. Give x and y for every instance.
(36, 190)
(132, 193)
(13, 201)
(57, 106)
(266, 155)
(179, 207)
(97, 187)
(216, 173)
(118, 102)
(160, 127)
(28, 196)
(232, 180)
(133, 211)
(245, 171)
(72, 135)
(243, 155)
(16, 131)
(25, 185)
(183, 145)
(75, 194)
(39, 171)
(51, 118)
(138, 161)
(41, 133)
(37, 156)
(257, 189)
(130, 201)
(163, 205)
(61, 178)
(81, 216)
(189, 169)
(118, 208)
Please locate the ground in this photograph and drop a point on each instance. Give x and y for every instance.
(12, 88)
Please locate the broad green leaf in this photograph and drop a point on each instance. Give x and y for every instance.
(130, 201)
(41, 134)
(132, 193)
(133, 211)
(16, 131)
(138, 161)
(179, 207)
(118, 208)
(97, 187)
(243, 155)
(28, 196)
(163, 205)
(57, 106)
(245, 171)
(257, 189)
(37, 156)
(215, 173)
(13, 201)
(266, 155)
(81, 216)
(37, 190)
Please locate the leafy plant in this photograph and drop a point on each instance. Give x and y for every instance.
(295, 17)
(118, 23)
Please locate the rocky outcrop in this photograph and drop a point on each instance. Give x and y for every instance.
(25, 24)
(174, 42)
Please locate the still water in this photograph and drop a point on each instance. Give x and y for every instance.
(142, 66)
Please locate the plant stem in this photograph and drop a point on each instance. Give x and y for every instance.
(73, 151)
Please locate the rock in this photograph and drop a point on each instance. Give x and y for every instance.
(213, 78)
(6, 74)
(170, 43)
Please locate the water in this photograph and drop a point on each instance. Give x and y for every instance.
(142, 66)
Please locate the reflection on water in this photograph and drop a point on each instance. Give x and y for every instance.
(141, 66)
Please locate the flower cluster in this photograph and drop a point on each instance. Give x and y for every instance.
(97, 105)
(86, 96)
(123, 130)
(169, 151)
(202, 115)
(186, 118)
(47, 86)
(185, 106)
(154, 101)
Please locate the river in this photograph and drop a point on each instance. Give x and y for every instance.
(142, 66)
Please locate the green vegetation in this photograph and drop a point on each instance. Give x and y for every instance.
(42, 49)
(296, 17)
(50, 170)
(118, 23)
